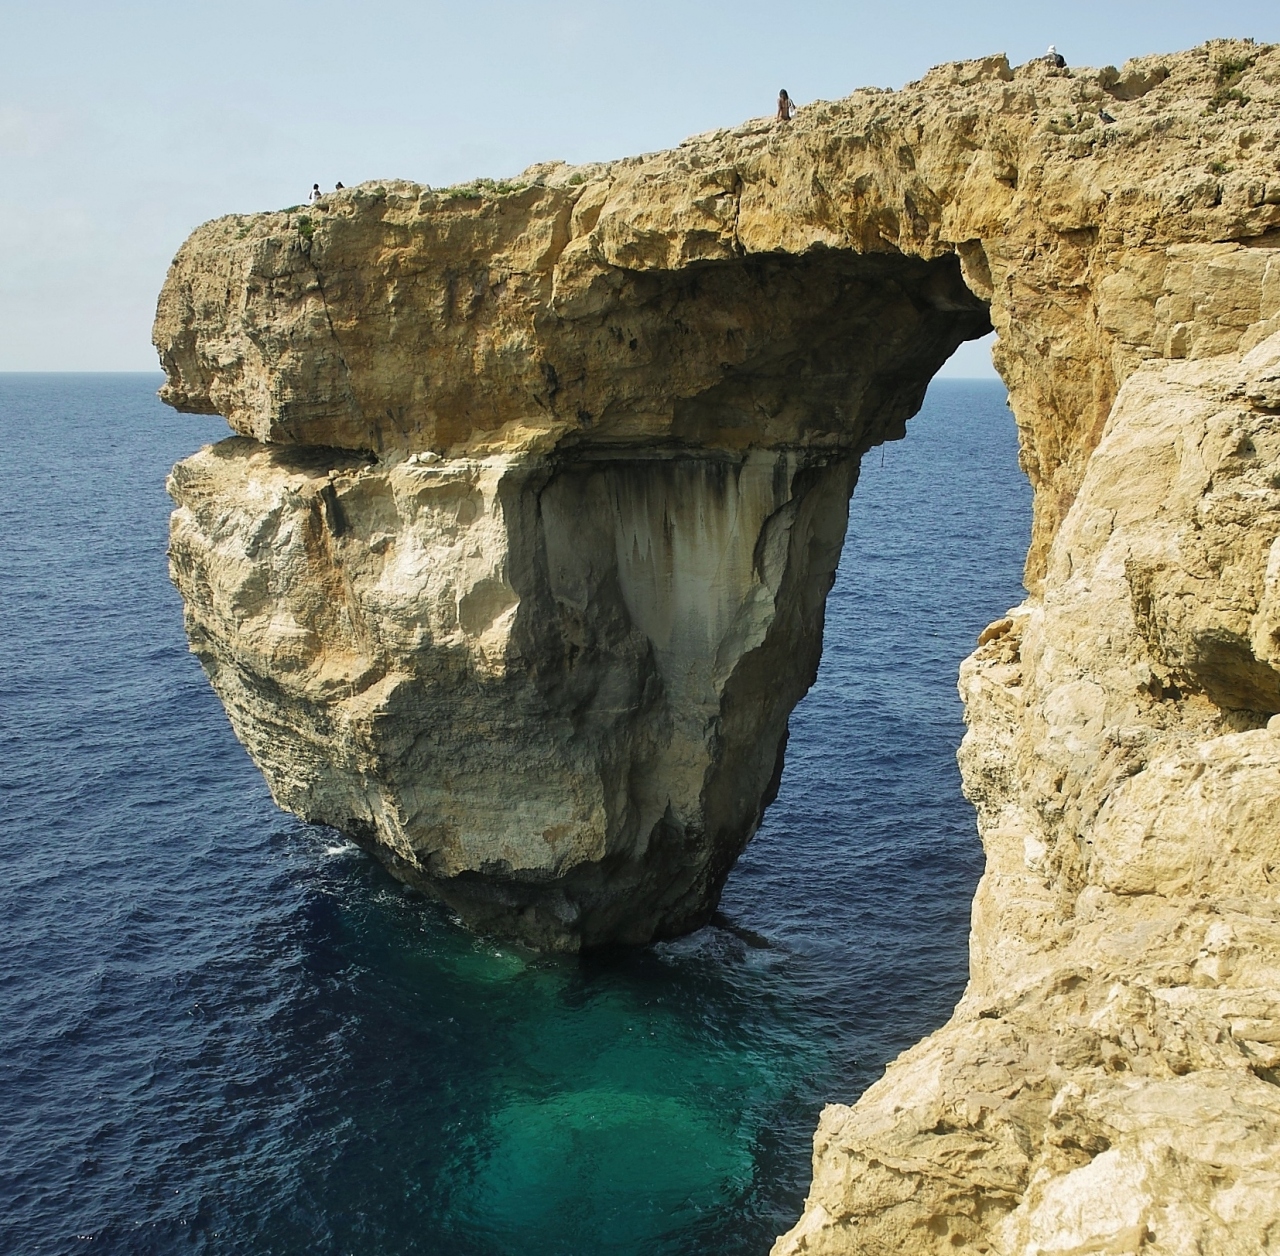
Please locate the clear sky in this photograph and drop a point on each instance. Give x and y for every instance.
(123, 125)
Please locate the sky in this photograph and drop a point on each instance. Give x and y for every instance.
(125, 125)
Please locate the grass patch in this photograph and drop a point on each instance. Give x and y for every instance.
(480, 187)
(1231, 68)
(576, 178)
(1230, 71)
(306, 228)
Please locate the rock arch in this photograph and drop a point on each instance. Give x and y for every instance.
(518, 563)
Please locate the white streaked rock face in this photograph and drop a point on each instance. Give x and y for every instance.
(556, 696)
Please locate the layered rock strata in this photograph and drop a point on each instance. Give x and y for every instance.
(517, 567)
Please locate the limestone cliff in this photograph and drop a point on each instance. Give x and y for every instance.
(517, 568)
(1111, 1080)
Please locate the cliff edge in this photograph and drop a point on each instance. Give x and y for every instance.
(517, 567)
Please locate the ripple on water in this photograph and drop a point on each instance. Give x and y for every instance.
(225, 1030)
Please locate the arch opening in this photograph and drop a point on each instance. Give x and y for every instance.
(862, 874)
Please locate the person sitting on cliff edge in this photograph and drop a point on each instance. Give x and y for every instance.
(1054, 58)
(786, 106)
(315, 192)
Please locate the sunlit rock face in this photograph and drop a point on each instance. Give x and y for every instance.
(556, 696)
(517, 567)
(1111, 1079)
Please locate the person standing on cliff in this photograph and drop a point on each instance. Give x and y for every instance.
(315, 192)
(786, 106)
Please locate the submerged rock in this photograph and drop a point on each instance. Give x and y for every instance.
(517, 567)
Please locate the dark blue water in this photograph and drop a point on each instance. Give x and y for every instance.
(222, 1030)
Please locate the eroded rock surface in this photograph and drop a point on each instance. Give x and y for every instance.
(1111, 1080)
(556, 695)
(518, 566)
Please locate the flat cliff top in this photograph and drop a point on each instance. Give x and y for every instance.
(288, 323)
(1192, 154)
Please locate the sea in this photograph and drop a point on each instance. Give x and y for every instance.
(223, 1030)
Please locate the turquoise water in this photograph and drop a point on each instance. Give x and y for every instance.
(223, 1030)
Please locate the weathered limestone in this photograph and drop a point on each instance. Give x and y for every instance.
(517, 568)
(1111, 1080)
(542, 665)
